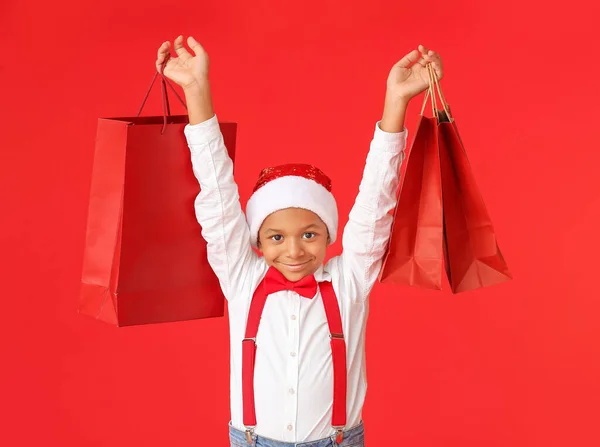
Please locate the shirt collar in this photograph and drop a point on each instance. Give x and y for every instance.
(321, 275)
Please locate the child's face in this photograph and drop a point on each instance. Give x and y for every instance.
(294, 241)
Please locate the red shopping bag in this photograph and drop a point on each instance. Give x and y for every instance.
(415, 252)
(145, 260)
(472, 257)
(460, 232)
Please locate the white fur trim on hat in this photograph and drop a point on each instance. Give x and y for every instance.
(291, 192)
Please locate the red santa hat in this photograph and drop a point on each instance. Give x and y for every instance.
(291, 186)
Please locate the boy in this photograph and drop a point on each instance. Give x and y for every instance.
(297, 327)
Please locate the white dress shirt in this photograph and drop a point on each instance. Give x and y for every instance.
(293, 381)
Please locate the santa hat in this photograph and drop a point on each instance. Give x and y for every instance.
(291, 186)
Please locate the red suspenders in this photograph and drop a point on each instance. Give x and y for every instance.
(338, 352)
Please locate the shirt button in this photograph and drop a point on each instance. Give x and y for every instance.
(292, 391)
(293, 354)
(293, 317)
(290, 427)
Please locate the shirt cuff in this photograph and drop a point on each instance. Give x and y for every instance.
(389, 137)
(203, 132)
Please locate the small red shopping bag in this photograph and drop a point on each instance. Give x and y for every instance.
(145, 260)
(472, 256)
(415, 252)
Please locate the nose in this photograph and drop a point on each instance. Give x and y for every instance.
(295, 248)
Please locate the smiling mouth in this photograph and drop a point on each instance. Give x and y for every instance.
(296, 266)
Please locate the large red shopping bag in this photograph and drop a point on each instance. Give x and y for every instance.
(415, 253)
(472, 256)
(145, 260)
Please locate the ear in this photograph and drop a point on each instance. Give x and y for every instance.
(258, 244)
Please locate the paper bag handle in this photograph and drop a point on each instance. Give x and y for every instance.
(434, 82)
(433, 75)
(165, 97)
(429, 93)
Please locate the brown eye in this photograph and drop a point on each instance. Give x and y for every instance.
(309, 235)
(277, 238)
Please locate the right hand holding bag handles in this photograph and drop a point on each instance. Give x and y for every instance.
(440, 212)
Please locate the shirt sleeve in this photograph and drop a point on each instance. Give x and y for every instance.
(368, 229)
(218, 208)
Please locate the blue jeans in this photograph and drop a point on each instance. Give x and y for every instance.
(354, 437)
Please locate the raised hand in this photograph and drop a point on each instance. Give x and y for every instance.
(410, 77)
(186, 70)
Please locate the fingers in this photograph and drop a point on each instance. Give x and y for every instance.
(408, 60)
(422, 61)
(433, 58)
(163, 54)
(195, 46)
(436, 62)
(422, 56)
(181, 51)
(183, 55)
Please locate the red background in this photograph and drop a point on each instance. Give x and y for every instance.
(512, 365)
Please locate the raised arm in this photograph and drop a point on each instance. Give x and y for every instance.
(217, 206)
(368, 229)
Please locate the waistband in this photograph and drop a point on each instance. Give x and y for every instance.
(352, 437)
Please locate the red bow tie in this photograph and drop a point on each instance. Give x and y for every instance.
(276, 282)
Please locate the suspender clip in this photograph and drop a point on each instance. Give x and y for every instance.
(339, 435)
(249, 433)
